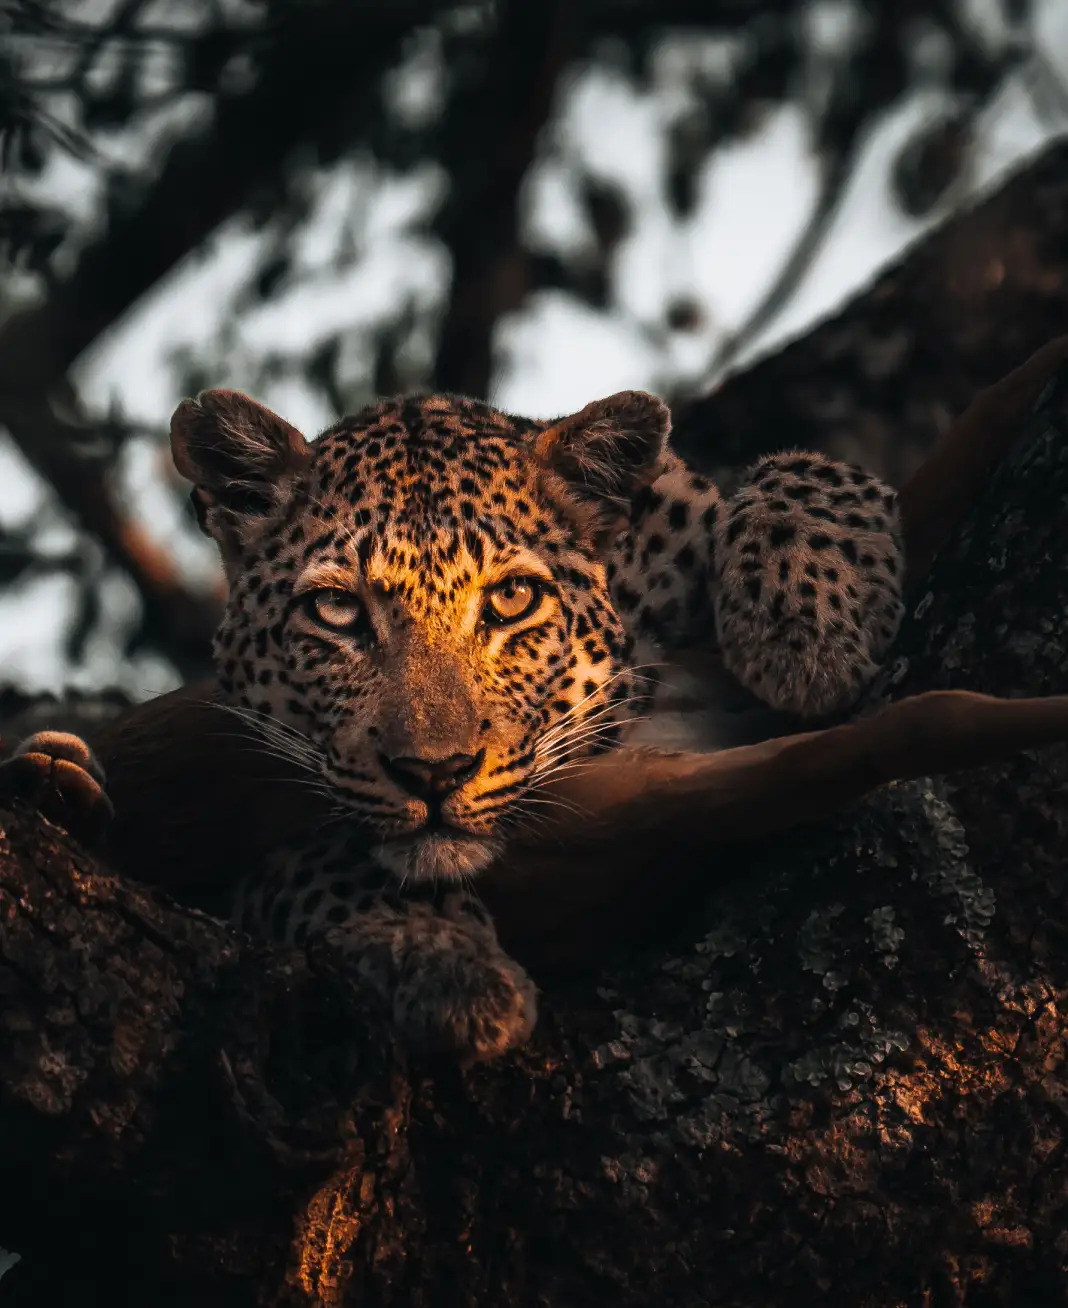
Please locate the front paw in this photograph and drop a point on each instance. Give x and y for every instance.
(462, 1001)
(809, 571)
(441, 975)
(58, 774)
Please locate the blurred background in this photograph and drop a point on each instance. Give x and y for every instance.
(534, 201)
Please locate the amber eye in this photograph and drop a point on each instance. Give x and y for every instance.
(513, 599)
(338, 609)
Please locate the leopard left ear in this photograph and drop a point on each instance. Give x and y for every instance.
(242, 459)
(609, 450)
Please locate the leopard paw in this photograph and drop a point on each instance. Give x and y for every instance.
(470, 1005)
(60, 776)
(438, 970)
(809, 575)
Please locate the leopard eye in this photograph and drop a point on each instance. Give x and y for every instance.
(511, 600)
(338, 609)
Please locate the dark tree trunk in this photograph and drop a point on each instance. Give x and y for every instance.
(842, 1082)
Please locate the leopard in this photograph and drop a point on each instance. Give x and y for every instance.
(435, 605)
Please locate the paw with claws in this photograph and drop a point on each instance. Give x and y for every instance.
(58, 774)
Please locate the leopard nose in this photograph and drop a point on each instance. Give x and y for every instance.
(433, 779)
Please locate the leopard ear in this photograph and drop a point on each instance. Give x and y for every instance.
(242, 459)
(608, 451)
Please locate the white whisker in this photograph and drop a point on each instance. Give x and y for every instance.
(278, 739)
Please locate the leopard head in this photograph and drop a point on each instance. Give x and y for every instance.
(418, 611)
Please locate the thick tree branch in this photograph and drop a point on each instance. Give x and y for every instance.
(840, 1077)
(141, 1054)
(841, 1080)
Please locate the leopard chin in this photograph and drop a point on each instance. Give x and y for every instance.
(437, 855)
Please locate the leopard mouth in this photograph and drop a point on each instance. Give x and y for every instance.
(437, 852)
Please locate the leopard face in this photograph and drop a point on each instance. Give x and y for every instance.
(418, 610)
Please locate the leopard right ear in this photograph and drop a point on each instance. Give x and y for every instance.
(242, 459)
(609, 450)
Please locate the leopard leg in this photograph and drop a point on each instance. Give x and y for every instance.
(59, 775)
(431, 959)
(660, 569)
(450, 987)
(808, 586)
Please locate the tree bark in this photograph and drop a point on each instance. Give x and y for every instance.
(841, 1081)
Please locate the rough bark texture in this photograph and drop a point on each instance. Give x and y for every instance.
(142, 1159)
(844, 1082)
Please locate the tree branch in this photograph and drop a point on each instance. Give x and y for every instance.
(842, 1089)
(840, 1080)
(113, 1068)
(488, 142)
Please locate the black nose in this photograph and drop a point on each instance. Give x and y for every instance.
(433, 780)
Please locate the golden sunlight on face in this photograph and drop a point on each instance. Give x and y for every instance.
(514, 588)
(447, 669)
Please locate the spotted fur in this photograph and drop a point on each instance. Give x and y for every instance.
(808, 574)
(415, 509)
(431, 720)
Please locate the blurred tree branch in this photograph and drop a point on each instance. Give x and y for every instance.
(881, 378)
(487, 142)
(320, 68)
(862, 87)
